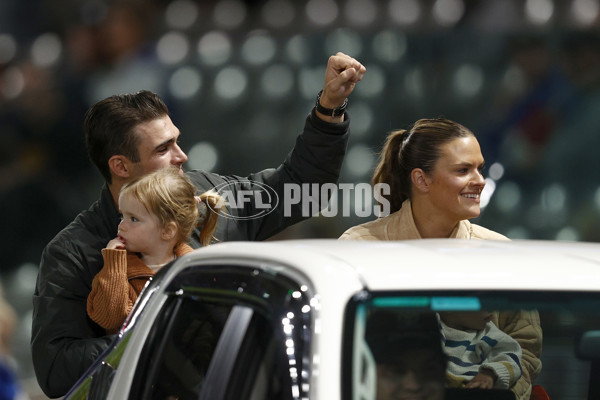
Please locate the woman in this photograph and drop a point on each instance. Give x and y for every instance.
(434, 174)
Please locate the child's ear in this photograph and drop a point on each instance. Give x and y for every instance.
(420, 180)
(169, 231)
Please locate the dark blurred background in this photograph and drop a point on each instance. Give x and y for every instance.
(241, 76)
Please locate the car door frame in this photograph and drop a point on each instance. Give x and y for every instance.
(218, 377)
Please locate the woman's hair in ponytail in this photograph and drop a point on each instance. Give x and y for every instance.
(418, 147)
(389, 170)
(170, 196)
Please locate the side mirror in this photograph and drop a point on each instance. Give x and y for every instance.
(588, 346)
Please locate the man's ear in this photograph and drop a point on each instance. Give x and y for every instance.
(169, 231)
(420, 180)
(120, 166)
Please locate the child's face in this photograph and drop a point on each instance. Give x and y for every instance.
(139, 230)
(417, 375)
(463, 320)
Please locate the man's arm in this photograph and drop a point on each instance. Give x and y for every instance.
(264, 203)
(341, 75)
(64, 341)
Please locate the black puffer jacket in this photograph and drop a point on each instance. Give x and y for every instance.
(65, 342)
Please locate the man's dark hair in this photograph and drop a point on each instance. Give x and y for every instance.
(109, 126)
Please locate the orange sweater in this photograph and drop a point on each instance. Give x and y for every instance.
(117, 286)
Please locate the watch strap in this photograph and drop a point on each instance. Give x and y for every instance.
(333, 112)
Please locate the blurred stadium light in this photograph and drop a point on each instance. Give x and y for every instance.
(244, 74)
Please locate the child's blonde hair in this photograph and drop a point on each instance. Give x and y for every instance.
(171, 197)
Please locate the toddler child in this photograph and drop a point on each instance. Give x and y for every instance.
(158, 214)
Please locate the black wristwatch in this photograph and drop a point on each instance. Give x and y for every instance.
(333, 112)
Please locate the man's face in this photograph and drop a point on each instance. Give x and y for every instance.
(158, 147)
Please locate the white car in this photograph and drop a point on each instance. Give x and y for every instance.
(291, 319)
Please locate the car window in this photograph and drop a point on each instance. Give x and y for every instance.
(227, 333)
(401, 342)
(182, 354)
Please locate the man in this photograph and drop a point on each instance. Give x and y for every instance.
(128, 136)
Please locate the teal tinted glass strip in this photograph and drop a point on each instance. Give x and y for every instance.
(455, 304)
(401, 302)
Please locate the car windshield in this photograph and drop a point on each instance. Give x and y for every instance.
(434, 345)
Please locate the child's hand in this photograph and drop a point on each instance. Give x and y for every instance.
(116, 243)
(483, 380)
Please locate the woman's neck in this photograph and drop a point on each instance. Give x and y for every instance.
(430, 222)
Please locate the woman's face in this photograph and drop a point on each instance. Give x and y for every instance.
(456, 182)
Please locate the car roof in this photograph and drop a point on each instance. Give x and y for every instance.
(435, 264)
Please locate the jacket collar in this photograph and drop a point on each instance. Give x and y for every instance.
(401, 226)
(107, 207)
